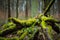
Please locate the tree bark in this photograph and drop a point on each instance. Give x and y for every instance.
(26, 11)
(9, 12)
(48, 7)
(17, 4)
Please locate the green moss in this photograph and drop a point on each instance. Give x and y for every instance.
(19, 32)
(31, 27)
(24, 22)
(15, 38)
(26, 31)
(58, 25)
(43, 24)
(1, 38)
(23, 35)
(49, 29)
(33, 32)
(8, 25)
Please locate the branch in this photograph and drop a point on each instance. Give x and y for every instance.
(48, 7)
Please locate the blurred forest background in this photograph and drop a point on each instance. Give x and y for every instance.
(24, 9)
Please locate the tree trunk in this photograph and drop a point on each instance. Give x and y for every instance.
(58, 4)
(17, 3)
(26, 11)
(48, 7)
(9, 12)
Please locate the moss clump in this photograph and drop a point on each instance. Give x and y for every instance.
(14, 38)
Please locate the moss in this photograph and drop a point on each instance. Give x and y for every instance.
(31, 27)
(28, 22)
(23, 35)
(50, 32)
(33, 32)
(19, 32)
(9, 26)
(3, 38)
(48, 29)
(58, 25)
(15, 38)
(26, 31)
(43, 24)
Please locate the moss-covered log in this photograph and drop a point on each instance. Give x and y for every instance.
(19, 24)
(7, 29)
(25, 23)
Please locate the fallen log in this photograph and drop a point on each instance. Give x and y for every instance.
(10, 28)
(19, 24)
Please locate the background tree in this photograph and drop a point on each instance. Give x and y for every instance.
(9, 12)
(17, 5)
